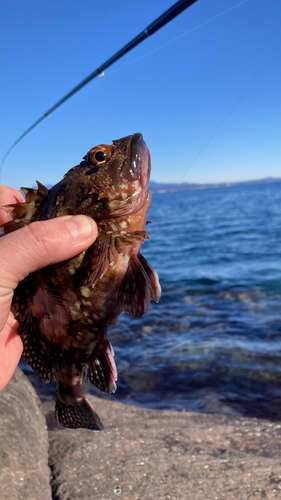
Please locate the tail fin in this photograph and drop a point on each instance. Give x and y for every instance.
(78, 416)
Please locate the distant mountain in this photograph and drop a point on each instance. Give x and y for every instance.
(158, 187)
(161, 187)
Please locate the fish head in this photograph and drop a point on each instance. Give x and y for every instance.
(112, 180)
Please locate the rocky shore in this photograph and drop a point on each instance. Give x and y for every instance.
(141, 455)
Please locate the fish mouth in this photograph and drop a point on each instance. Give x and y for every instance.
(135, 149)
(136, 172)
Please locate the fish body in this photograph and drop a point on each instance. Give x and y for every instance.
(64, 310)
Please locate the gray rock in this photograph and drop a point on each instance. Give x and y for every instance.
(156, 455)
(24, 470)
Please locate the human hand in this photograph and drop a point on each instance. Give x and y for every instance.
(25, 251)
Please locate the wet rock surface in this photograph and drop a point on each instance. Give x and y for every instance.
(24, 470)
(153, 454)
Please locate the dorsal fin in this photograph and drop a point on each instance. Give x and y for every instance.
(27, 212)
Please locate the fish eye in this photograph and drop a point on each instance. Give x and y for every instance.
(99, 156)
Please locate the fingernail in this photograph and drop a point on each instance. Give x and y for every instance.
(80, 227)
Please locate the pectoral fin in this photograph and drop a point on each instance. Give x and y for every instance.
(134, 293)
(104, 253)
(95, 262)
(155, 288)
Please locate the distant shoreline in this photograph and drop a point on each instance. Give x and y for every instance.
(157, 187)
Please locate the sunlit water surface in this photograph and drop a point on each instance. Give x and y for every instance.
(213, 342)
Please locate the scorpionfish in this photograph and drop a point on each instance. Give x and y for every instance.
(64, 310)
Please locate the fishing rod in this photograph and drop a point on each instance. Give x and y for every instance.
(161, 21)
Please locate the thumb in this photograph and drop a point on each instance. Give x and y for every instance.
(39, 245)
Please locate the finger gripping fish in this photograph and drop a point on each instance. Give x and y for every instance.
(64, 310)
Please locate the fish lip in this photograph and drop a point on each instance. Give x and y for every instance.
(132, 167)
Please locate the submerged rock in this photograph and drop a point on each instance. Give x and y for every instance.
(24, 470)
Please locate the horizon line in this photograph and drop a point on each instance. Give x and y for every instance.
(260, 180)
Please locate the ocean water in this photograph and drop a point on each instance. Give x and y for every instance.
(213, 343)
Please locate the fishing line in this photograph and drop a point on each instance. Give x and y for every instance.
(230, 111)
(159, 23)
(181, 36)
(178, 38)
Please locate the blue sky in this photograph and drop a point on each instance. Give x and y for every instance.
(204, 90)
